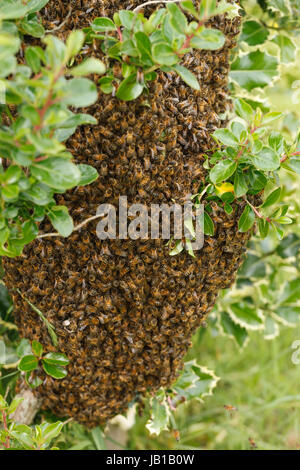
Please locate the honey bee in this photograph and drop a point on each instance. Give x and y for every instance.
(252, 443)
(231, 409)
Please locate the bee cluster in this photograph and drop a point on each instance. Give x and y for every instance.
(124, 310)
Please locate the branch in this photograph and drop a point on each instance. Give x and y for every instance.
(152, 2)
(78, 227)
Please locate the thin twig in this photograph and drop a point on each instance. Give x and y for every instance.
(152, 2)
(62, 24)
(78, 227)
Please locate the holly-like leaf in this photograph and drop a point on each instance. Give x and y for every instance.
(233, 329)
(195, 381)
(256, 69)
(160, 416)
(254, 33)
(287, 48)
(246, 316)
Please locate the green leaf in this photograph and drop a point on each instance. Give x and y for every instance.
(272, 198)
(50, 431)
(254, 33)
(3, 403)
(246, 316)
(290, 315)
(240, 184)
(222, 171)
(233, 329)
(177, 18)
(33, 58)
(36, 5)
(264, 227)
(37, 348)
(208, 39)
(291, 292)
(10, 193)
(28, 363)
(289, 246)
(266, 160)
(276, 142)
(56, 359)
(294, 164)
(80, 93)
(88, 66)
(106, 85)
(270, 117)
(88, 173)
(12, 174)
(57, 372)
(271, 328)
(39, 194)
(98, 438)
(102, 24)
(188, 77)
(188, 6)
(24, 348)
(287, 48)
(14, 405)
(74, 44)
(163, 54)
(243, 109)
(12, 10)
(281, 6)
(226, 137)
(177, 249)
(195, 381)
(58, 173)
(246, 220)
(61, 220)
(256, 69)
(253, 267)
(209, 228)
(31, 28)
(144, 48)
(127, 18)
(159, 417)
(130, 89)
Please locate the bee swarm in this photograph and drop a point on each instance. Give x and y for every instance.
(123, 310)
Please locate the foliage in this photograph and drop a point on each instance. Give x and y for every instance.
(53, 364)
(143, 45)
(248, 157)
(35, 121)
(15, 436)
(194, 382)
(256, 153)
